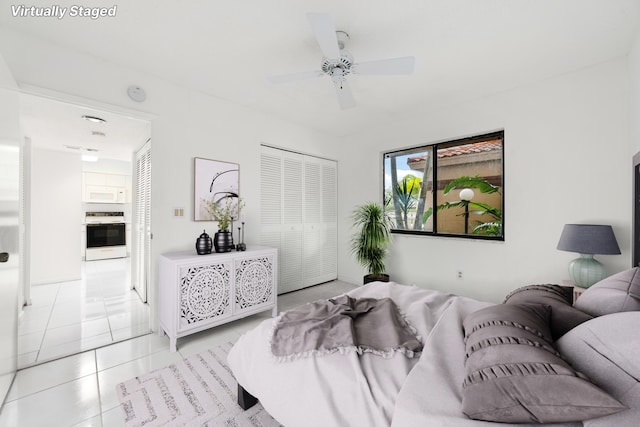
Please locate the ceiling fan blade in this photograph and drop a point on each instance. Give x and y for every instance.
(404, 65)
(345, 96)
(325, 32)
(294, 77)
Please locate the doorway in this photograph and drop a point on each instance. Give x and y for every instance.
(76, 302)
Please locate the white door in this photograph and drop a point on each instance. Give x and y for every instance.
(298, 216)
(320, 220)
(141, 243)
(281, 214)
(9, 236)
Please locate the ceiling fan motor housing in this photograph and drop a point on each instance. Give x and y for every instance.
(343, 64)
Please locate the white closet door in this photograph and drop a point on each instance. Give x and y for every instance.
(292, 193)
(329, 221)
(141, 244)
(281, 213)
(312, 221)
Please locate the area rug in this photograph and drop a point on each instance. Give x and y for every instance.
(197, 391)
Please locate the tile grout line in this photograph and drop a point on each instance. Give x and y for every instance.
(46, 327)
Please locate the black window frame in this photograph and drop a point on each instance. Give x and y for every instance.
(499, 134)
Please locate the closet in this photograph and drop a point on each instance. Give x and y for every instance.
(298, 215)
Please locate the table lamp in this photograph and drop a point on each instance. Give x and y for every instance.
(588, 240)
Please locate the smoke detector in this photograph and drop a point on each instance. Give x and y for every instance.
(136, 93)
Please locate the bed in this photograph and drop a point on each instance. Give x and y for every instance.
(536, 358)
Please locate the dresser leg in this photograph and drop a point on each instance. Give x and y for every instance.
(245, 399)
(173, 345)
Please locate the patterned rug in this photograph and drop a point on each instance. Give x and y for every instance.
(199, 390)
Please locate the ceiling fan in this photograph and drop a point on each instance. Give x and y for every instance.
(338, 63)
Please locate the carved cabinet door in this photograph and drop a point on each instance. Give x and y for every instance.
(254, 282)
(205, 293)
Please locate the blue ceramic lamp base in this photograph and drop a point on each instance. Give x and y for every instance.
(586, 270)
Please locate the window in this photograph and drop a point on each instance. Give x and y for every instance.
(452, 188)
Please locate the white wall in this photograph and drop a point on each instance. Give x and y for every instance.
(55, 216)
(566, 160)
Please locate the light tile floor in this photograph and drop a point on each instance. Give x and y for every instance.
(79, 390)
(70, 317)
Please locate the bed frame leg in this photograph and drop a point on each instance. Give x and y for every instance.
(245, 399)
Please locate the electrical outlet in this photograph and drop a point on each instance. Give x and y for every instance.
(459, 275)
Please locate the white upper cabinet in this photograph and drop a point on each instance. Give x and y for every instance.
(106, 188)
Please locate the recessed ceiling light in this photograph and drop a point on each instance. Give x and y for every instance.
(86, 158)
(72, 147)
(98, 133)
(93, 150)
(94, 119)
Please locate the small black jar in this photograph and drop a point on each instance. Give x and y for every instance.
(204, 244)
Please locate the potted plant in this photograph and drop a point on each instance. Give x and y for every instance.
(369, 244)
(224, 211)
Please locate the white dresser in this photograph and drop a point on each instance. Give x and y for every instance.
(198, 292)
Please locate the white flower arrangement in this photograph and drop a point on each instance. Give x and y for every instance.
(224, 211)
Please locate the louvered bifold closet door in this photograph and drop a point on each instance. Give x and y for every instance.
(281, 213)
(298, 216)
(141, 244)
(329, 249)
(312, 221)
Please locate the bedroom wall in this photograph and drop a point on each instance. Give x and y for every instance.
(187, 124)
(566, 160)
(56, 216)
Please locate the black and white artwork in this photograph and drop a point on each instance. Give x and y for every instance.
(215, 182)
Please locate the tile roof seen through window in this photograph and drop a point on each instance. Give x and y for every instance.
(476, 147)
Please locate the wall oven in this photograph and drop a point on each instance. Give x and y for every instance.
(105, 235)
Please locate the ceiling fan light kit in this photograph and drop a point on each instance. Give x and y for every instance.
(337, 63)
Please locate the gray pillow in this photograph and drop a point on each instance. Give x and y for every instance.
(564, 316)
(613, 294)
(514, 374)
(607, 349)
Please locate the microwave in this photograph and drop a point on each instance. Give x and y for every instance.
(103, 194)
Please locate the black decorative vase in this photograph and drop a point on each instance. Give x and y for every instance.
(223, 241)
(204, 244)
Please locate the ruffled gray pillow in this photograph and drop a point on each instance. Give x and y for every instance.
(564, 316)
(613, 294)
(515, 375)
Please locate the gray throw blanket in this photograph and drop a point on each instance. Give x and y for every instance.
(344, 324)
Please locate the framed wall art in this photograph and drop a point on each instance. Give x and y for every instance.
(214, 182)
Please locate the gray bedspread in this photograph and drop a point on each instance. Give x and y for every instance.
(344, 324)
